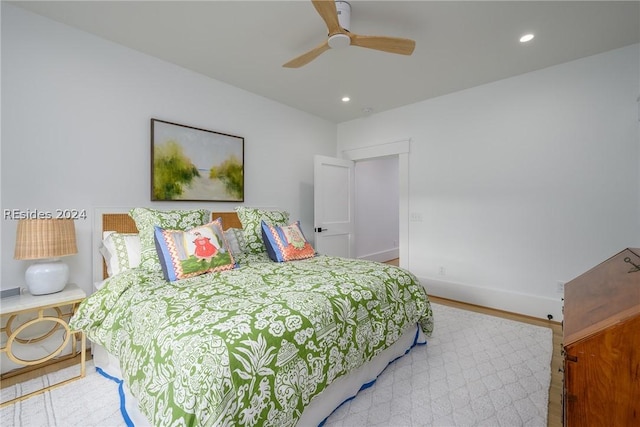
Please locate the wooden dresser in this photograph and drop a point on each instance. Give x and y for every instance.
(601, 344)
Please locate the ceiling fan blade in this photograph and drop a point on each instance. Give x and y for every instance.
(305, 58)
(386, 44)
(328, 12)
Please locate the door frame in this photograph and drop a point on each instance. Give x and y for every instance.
(401, 149)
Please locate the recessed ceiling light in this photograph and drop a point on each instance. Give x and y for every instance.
(526, 38)
(346, 99)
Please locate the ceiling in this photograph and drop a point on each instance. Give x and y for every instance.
(458, 44)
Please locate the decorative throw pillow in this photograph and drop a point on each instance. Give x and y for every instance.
(121, 251)
(235, 240)
(286, 243)
(190, 253)
(251, 219)
(146, 219)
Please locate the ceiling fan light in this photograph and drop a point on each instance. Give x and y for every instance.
(339, 41)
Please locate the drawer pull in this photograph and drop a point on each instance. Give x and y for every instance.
(636, 266)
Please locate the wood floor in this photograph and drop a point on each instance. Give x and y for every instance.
(38, 372)
(555, 389)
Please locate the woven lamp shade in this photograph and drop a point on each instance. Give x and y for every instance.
(45, 238)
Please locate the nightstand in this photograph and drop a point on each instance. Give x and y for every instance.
(59, 308)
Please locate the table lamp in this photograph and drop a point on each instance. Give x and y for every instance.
(46, 240)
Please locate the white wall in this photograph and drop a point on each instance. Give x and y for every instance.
(376, 206)
(0, 139)
(520, 183)
(75, 134)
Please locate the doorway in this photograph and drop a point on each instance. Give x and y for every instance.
(376, 209)
(400, 150)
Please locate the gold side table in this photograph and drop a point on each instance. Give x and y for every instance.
(11, 307)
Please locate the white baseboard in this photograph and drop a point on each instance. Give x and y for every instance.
(382, 256)
(514, 302)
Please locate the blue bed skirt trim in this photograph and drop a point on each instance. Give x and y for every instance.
(120, 383)
(129, 423)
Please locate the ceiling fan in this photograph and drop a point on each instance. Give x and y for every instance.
(337, 14)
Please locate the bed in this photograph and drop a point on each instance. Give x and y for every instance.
(263, 343)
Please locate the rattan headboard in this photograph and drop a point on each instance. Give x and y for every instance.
(123, 223)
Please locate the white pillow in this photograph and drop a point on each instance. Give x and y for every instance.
(121, 251)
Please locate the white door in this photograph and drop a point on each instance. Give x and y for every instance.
(333, 182)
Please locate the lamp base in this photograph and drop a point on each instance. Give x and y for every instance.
(47, 277)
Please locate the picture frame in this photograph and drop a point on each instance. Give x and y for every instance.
(193, 164)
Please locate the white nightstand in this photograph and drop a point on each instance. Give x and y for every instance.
(70, 297)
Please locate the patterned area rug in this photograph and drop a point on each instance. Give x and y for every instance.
(476, 370)
(90, 401)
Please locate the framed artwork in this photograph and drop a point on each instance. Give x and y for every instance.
(192, 164)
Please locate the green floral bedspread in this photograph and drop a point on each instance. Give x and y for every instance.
(251, 346)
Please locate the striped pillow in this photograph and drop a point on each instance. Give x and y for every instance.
(190, 253)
